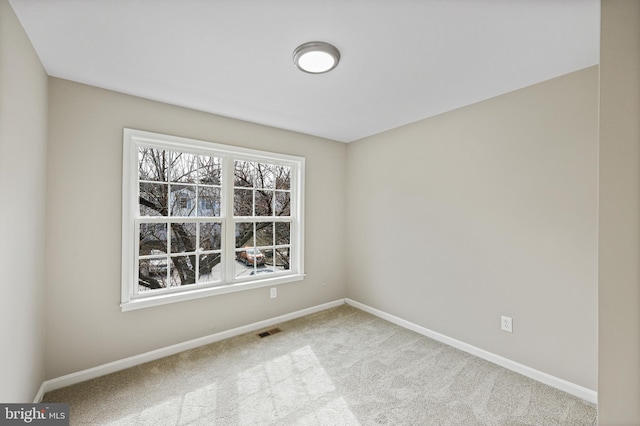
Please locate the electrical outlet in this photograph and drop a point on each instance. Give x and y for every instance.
(274, 293)
(506, 324)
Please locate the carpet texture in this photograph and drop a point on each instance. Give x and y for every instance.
(341, 366)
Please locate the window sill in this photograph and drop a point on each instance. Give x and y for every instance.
(164, 299)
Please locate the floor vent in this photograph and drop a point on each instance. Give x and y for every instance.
(269, 332)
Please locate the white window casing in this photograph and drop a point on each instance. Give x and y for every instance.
(214, 219)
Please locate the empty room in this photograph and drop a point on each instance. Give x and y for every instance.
(320, 212)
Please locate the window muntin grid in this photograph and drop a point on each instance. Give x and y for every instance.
(181, 198)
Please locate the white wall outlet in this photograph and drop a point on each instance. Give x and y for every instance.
(274, 293)
(506, 324)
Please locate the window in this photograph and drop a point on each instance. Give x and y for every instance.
(201, 219)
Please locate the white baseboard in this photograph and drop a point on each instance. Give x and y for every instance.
(40, 394)
(101, 370)
(112, 367)
(556, 382)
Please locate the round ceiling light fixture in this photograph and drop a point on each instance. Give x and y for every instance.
(316, 57)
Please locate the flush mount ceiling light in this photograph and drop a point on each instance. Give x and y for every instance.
(316, 57)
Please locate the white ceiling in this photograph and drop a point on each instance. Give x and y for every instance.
(402, 60)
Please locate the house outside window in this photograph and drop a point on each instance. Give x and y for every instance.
(201, 219)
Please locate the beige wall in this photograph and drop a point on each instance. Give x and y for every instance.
(85, 325)
(485, 211)
(479, 212)
(23, 137)
(619, 241)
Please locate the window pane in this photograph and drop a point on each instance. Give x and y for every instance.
(209, 170)
(283, 177)
(282, 204)
(244, 174)
(153, 199)
(268, 260)
(264, 233)
(210, 268)
(243, 202)
(283, 233)
(263, 203)
(152, 164)
(282, 259)
(244, 234)
(152, 274)
(182, 200)
(183, 271)
(153, 238)
(248, 261)
(184, 167)
(208, 201)
(242, 268)
(210, 236)
(183, 237)
(261, 272)
(264, 176)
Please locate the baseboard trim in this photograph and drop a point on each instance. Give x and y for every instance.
(40, 394)
(112, 367)
(556, 382)
(101, 370)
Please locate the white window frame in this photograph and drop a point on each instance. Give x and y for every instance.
(132, 140)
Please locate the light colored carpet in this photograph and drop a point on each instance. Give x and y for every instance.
(341, 366)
